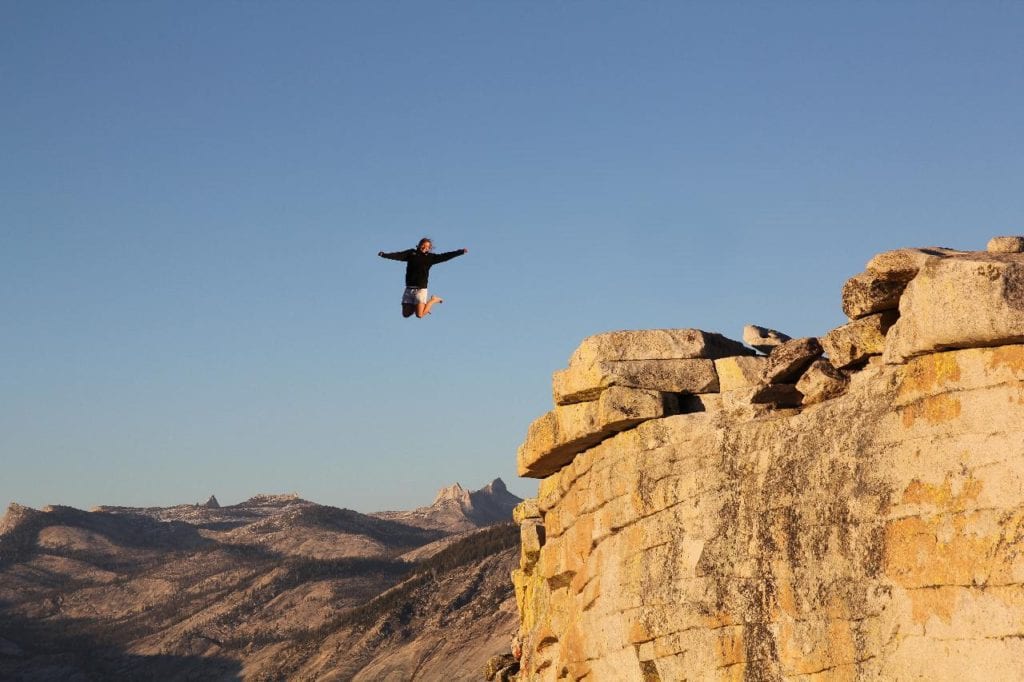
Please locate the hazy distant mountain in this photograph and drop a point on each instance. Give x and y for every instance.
(455, 509)
(274, 587)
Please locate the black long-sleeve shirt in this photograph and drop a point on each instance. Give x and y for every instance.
(417, 264)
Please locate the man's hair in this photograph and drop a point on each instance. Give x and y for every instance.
(423, 241)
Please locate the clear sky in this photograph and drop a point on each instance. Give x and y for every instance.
(193, 194)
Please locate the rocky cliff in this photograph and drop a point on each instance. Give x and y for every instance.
(842, 507)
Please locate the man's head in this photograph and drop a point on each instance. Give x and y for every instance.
(425, 245)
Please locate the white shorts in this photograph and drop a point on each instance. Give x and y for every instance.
(414, 295)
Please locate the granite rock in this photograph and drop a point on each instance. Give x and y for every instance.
(555, 438)
(739, 372)
(965, 301)
(856, 341)
(788, 361)
(762, 338)
(870, 292)
(1013, 244)
(581, 383)
(901, 265)
(821, 382)
(655, 344)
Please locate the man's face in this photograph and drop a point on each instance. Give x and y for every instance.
(425, 247)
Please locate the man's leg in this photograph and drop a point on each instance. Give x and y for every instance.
(408, 309)
(423, 309)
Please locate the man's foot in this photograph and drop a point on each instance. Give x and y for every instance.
(435, 299)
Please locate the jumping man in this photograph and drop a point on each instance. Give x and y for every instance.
(417, 268)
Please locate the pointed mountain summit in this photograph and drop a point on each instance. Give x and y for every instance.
(456, 509)
(453, 493)
(493, 503)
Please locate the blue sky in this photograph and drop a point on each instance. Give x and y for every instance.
(194, 193)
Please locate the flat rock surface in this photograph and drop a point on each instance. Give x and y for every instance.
(739, 372)
(654, 344)
(581, 383)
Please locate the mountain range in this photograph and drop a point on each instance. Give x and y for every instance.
(275, 587)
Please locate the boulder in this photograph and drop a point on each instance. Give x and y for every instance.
(788, 361)
(1006, 244)
(821, 382)
(552, 441)
(655, 344)
(968, 300)
(886, 275)
(739, 371)
(581, 383)
(902, 264)
(856, 341)
(871, 292)
(762, 338)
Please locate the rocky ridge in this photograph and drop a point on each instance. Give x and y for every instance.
(456, 509)
(842, 507)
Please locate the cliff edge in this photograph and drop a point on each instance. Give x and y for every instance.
(844, 507)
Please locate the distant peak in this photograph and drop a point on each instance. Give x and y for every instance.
(15, 516)
(212, 503)
(495, 486)
(453, 492)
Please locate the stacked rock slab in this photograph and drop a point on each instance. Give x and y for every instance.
(875, 534)
(962, 301)
(618, 380)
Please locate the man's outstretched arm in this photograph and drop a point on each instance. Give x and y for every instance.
(442, 257)
(396, 255)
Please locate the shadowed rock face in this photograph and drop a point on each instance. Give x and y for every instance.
(276, 587)
(875, 531)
